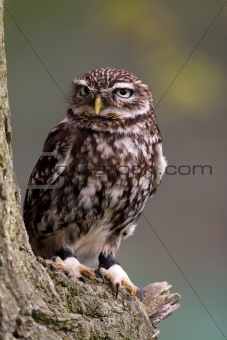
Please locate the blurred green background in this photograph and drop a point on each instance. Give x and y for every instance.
(152, 39)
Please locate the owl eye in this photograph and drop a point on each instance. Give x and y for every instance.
(84, 90)
(123, 93)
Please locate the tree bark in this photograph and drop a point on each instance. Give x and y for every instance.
(37, 301)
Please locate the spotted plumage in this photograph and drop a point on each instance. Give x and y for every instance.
(97, 170)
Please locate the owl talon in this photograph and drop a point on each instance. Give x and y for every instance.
(53, 258)
(98, 273)
(118, 277)
(82, 279)
(118, 289)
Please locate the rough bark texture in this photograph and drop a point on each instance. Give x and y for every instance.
(39, 302)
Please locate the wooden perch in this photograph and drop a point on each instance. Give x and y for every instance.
(49, 305)
(159, 302)
(37, 301)
(103, 316)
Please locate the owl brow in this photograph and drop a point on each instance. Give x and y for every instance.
(80, 82)
(123, 86)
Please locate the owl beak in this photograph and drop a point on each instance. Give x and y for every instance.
(98, 104)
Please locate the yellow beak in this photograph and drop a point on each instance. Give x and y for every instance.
(98, 104)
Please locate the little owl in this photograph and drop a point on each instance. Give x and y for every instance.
(98, 168)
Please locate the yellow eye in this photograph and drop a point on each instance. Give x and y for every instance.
(123, 93)
(84, 90)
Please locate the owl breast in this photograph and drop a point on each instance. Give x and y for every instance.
(105, 176)
(107, 181)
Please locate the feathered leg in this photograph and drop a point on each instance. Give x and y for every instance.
(113, 272)
(71, 266)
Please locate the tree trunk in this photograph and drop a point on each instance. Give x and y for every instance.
(37, 301)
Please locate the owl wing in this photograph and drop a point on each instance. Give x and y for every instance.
(48, 172)
(160, 164)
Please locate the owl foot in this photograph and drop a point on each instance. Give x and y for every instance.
(74, 269)
(118, 277)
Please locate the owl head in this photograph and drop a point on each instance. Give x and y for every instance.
(109, 92)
